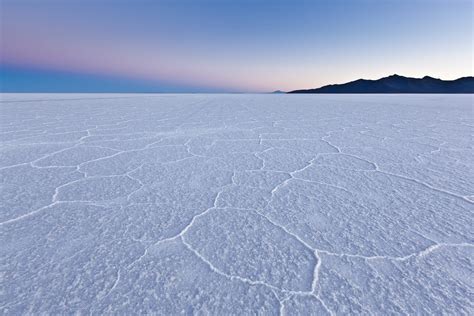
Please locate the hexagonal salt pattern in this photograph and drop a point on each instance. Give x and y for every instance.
(236, 204)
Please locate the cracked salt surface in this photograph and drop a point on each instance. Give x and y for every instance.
(236, 204)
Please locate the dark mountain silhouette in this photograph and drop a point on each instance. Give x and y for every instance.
(278, 91)
(398, 84)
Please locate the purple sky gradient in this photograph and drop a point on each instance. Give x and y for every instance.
(240, 45)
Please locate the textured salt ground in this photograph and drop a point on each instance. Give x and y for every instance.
(236, 204)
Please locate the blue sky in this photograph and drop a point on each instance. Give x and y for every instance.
(234, 46)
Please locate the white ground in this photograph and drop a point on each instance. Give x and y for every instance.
(236, 204)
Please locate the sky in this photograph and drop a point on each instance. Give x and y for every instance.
(227, 45)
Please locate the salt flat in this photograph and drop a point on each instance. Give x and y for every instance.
(237, 204)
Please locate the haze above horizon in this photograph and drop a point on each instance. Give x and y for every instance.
(227, 46)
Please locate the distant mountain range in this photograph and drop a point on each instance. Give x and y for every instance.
(398, 84)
